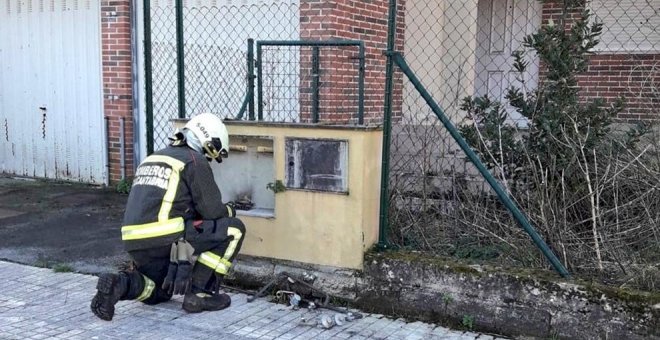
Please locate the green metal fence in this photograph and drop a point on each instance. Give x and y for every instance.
(549, 158)
(245, 61)
(529, 87)
(313, 88)
(196, 56)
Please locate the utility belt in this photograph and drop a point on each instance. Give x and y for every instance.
(153, 235)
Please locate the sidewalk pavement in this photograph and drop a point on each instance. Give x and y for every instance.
(38, 303)
(47, 223)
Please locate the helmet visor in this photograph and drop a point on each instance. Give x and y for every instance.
(214, 150)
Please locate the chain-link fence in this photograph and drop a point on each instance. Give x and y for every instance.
(547, 93)
(535, 89)
(214, 38)
(209, 41)
(310, 82)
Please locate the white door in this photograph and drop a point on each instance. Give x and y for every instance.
(50, 90)
(502, 25)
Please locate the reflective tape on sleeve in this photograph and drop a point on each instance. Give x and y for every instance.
(150, 230)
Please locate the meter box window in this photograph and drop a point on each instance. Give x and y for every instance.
(317, 164)
(244, 177)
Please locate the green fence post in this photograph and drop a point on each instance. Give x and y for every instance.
(504, 197)
(181, 72)
(251, 76)
(148, 78)
(260, 89)
(383, 222)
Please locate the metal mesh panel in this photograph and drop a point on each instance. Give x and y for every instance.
(281, 77)
(215, 35)
(164, 85)
(590, 195)
(305, 84)
(440, 203)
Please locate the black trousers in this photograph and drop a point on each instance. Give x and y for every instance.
(211, 239)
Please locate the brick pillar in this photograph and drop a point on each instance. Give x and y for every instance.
(117, 82)
(357, 20)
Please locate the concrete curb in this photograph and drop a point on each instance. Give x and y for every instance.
(475, 298)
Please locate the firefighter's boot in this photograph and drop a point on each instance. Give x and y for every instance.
(109, 289)
(195, 302)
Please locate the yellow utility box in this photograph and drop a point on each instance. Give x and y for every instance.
(314, 189)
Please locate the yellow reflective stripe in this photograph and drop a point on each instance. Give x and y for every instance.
(170, 194)
(149, 230)
(231, 231)
(173, 182)
(215, 262)
(226, 263)
(148, 289)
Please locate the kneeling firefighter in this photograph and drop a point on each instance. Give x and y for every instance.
(180, 235)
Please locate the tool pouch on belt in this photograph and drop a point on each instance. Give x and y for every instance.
(179, 273)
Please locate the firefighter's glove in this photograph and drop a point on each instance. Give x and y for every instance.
(183, 279)
(231, 209)
(168, 283)
(179, 273)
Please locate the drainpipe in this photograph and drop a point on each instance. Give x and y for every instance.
(107, 149)
(122, 147)
(135, 74)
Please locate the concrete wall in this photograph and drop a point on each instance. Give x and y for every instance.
(537, 304)
(314, 227)
(523, 304)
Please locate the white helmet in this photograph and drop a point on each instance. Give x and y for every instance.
(210, 136)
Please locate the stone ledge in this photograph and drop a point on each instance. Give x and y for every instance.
(255, 272)
(513, 304)
(509, 303)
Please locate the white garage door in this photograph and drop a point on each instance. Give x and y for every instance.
(51, 116)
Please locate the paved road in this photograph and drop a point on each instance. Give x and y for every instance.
(37, 303)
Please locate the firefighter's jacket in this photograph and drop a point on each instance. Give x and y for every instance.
(170, 188)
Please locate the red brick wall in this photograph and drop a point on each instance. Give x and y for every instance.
(555, 10)
(357, 20)
(610, 76)
(117, 81)
(630, 75)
